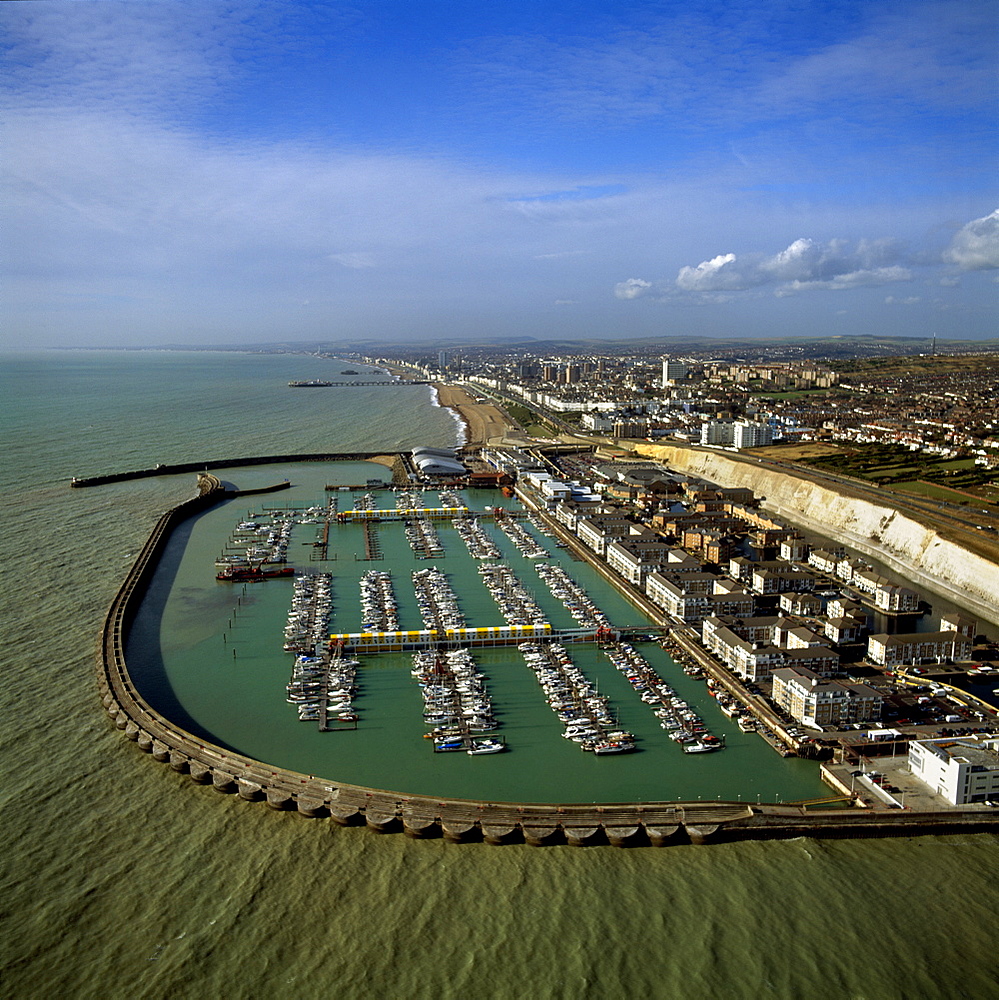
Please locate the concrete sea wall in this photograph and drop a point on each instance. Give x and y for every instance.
(879, 530)
(620, 824)
(218, 463)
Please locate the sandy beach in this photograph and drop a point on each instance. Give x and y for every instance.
(484, 422)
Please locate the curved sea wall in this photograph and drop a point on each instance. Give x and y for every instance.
(621, 824)
(876, 529)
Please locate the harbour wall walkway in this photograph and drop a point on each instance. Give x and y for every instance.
(620, 824)
(219, 463)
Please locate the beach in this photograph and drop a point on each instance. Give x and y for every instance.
(485, 423)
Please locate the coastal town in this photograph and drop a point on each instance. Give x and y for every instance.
(835, 615)
(824, 651)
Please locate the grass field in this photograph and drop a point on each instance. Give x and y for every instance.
(932, 491)
(956, 480)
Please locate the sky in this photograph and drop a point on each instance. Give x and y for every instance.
(405, 170)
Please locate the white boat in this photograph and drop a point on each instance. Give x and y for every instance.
(700, 746)
(479, 747)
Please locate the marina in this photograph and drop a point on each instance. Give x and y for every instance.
(488, 607)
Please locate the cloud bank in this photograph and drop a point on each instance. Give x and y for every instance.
(976, 246)
(834, 265)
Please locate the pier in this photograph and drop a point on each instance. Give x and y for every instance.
(324, 384)
(619, 824)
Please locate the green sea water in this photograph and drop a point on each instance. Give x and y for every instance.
(210, 654)
(121, 878)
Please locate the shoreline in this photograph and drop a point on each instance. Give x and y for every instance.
(483, 423)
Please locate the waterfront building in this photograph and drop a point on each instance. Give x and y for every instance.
(888, 597)
(844, 607)
(669, 594)
(959, 622)
(963, 770)
(803, 604)
(775, 580)
(848, 567)
(802, 637)
(599, 531)
(867, 581)
(637, 556)
(794, 549)
(437, 462)
(577, 508)
(918, 647)
(844, 630)
(511, 460)
(816, 702)
(823, 560)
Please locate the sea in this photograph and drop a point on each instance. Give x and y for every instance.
(122, 878)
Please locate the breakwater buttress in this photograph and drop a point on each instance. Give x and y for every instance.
(656, 823)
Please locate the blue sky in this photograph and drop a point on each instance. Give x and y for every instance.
(237, 172)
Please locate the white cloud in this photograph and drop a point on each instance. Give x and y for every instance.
(975, 247)
(802, 266)
(633, 288)
(711, 275)
(355, 261)
(910, 300)
(853, 279)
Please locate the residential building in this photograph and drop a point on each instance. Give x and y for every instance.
(918, 647)
(816, 702)
(749, 434)
(673, 371)
(888, 597)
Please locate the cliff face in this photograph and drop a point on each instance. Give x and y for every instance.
(911, 549)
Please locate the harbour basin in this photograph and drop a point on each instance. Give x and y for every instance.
(209, 656)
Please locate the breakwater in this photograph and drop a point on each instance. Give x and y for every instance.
(621, 824)
(179, 468)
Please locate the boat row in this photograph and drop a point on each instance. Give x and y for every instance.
(409, 498)
(540, 526)
(526, 544)
(255, 542)
(323, 689)
(585, 714)
(379, 611)
(681, 722)
(438, 602)
(511, 596)
(423, 538)
(308, 627)
(577, 602)
(478, 543)
(456, 702)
